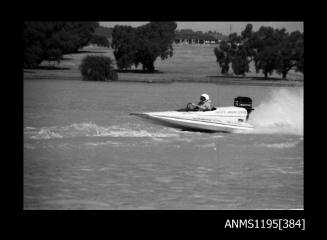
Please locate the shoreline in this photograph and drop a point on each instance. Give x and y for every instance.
(204, 79)
(229, 81)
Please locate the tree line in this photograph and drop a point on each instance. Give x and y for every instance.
(132, 46)
(51, 40)
(197, 36)
(270, 49)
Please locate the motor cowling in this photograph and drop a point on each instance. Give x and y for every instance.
(244, 102)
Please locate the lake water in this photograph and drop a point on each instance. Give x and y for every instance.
(82, 149)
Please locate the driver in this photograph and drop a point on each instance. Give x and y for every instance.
(204, 104)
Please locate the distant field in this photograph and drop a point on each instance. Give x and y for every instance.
(189, 63)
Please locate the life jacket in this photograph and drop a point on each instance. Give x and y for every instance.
(206, 104)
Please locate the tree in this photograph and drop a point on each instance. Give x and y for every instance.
(298, 38)
(270, 50)
(247, 32)
(240, 51)
(50, 40)
(248, 42)
(100, 41)
(286, 56)
(124, 45)
(237, 51)
(103, 31)
(98, 68)
(154, 40)
(34, 35)
(275, 49)
(232, 51)
(240, 62)
(265, 45)
(266, 61)
(222, 56)
(143, 45)
(80, 34)
(234, 40)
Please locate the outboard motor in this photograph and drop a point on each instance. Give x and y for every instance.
(244, 102)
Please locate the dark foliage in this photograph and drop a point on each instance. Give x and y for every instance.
(50, 40)
(290, 53)
(103, 31)
(98, 68)
(143, 45)
(270, 50)
(222, 56)
(240, 62)
(197, 36)
(123, 43)
(100, 41)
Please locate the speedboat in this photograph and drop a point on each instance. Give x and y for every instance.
(221, 119)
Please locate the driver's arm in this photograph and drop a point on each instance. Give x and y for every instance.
(205, 106)
(200, 107)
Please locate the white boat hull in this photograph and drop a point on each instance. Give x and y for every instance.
(226, 119)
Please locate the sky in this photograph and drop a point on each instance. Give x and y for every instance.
(222, 27)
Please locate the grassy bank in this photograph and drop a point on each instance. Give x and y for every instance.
(189, 64)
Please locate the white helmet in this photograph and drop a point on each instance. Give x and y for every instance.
(206, 96)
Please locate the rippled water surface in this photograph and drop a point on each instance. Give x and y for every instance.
(82, 149)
